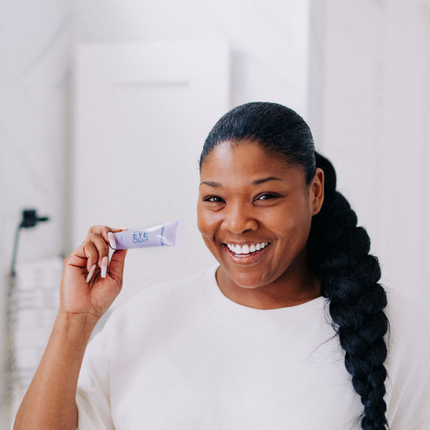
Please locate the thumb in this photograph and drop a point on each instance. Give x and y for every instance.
(116, 267)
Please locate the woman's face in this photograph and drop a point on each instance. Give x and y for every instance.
(255, 212)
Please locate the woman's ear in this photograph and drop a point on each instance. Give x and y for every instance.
(317, 191)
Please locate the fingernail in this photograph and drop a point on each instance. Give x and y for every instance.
(104, 266)
(91, 273)
(111, 238)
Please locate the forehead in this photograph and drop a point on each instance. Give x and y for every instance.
(246, 159)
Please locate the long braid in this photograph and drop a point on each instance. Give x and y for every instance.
(339, 254)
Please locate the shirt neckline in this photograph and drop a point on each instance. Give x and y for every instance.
(227, 306)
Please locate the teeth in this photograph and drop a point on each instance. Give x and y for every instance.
(246, 249)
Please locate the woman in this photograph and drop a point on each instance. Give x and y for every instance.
(287, 332)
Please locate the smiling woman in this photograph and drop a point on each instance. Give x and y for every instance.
(260, 140)
(287, 331)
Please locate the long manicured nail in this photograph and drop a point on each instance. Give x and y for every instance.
(91, 273)
(104, 266)
(111, 238)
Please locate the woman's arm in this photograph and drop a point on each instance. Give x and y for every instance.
(50, 400)
(88, 288)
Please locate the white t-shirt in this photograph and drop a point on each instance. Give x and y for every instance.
(183, 356)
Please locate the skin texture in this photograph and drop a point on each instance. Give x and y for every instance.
(236, 206)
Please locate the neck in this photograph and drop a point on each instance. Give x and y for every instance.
(295, 286)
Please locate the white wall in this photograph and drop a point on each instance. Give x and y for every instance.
(268, 39)
(371, 116)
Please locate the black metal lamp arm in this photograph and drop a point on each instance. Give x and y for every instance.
(29, 219)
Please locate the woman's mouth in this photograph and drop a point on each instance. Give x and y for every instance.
(247, 250)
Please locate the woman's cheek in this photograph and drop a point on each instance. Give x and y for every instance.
(206, 222)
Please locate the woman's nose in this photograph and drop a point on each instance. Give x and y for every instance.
(238, 219)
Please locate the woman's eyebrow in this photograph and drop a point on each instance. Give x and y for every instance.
(255, 182)
(262, 181)
(211, 184)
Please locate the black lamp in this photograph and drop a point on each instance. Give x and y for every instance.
(29, 219)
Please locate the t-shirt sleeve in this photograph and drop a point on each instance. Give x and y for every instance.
(408, 369)
(93, 393)
(423, 424)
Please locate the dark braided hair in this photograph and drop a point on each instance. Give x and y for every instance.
(338, 250)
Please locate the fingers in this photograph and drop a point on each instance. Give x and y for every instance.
(101, 230)
(96, 250)
(106, 233)
(116, 267)
(94, 253)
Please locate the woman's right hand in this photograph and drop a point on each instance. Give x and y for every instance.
(90, 283)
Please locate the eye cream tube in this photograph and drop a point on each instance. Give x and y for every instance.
(160, 235)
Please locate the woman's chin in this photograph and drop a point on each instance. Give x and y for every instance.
(245, 279)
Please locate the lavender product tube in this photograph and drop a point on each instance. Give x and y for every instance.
(160, 235)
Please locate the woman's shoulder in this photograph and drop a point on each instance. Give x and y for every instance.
(409, 325)
(408, 319)
(408, 377)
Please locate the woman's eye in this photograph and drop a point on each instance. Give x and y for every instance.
(213, 199)
(267, 196)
